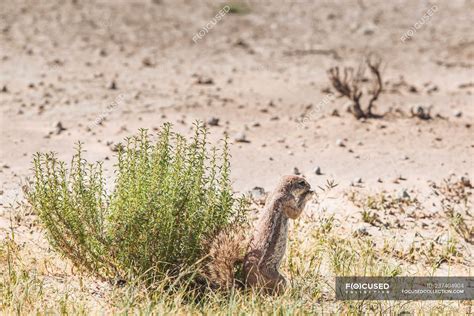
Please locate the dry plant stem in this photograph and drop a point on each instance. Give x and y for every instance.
(348, 84)
(348, 87)
(374, 67)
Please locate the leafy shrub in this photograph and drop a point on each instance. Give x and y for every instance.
(170, 196)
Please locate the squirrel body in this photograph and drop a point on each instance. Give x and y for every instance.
(268, 243)
(262, 255)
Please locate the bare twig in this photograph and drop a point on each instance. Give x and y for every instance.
(349, 84)
(374, 66)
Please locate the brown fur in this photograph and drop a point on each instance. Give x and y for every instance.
(226, 250)
(268, 244)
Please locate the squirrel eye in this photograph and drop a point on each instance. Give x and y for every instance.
(302, 182)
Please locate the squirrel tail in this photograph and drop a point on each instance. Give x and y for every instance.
(225, 252)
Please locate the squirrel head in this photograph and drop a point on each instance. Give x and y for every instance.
(299, 188)
(295, 185)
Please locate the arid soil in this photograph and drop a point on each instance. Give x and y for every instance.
(96, 72)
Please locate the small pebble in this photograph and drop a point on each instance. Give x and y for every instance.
(466, 182)
(59, 128)
(317, 171)
(213, 121)
(360, 232)
(112, 85)
(296, 171)
(258, 193)
(147, 62)
(340, 143)
(403, 195)
(241, 138)
(205, 81)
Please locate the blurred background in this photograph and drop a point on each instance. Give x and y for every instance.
(96, 71)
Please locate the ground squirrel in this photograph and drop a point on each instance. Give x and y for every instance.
(262, 255)
(268, 243)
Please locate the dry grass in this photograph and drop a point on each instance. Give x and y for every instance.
(36, 281)
(455, 197)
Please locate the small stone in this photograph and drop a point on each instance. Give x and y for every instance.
(205, 81)
(116, 147)
(457, 113)
(213, 121)
(405, 157)
(241, 138)
(296, 171)
(102, 52)
(442, 239)
(4, 89)
(335, 113)
(340, 143)
(403, 195)
(360, 232)
(112, 85)
(466, 182)
(147, 62)
(59, 128)
(258, 194)
(317, 171)
(379, 180)
(368, 29)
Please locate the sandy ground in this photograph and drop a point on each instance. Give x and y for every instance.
(135, 64)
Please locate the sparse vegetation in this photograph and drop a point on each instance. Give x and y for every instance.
(315, 255)
(456, 204)
(369, 217)
(349, 82)
(170, 196)
(237, 7)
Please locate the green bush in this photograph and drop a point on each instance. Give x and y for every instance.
(169, 198)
